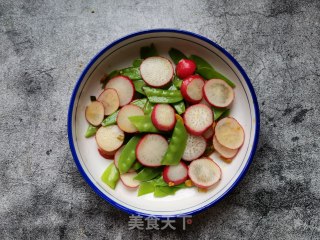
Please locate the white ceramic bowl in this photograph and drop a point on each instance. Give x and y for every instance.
(120, 54)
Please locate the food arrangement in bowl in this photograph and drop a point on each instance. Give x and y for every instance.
(160, 119)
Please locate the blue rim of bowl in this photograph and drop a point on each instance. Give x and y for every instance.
(73, 98)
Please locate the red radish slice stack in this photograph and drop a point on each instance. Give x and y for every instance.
(123, 117)
(185, 68)
(105, 154)
(128, 180)
(163, 117)
(208, 134)
(124, 88)
(191, 89)
(204, 172)
(110, 100)
(175, 174)
(156, 71)
(196, 145)
(117, 156)
(109, 138)
(224, 151)
(198, 118)
(218, 93)
(151, 149)
(229, 133)
(94, 113)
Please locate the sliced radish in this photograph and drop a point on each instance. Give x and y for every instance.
(191, 89)
(175, 174)
(204, 172)
(128, 180)
(185, 68)
(109, 138)
(94, 113)
(156, 71)
(124, 87)
(196, 145)
(110, 100)
(218, 93)
(198, 118)
(151, 149)
(117, 155)
(209, 133)
(123, 117)
(229, 133)
(224, 151)
(105, 154)
(163, 117)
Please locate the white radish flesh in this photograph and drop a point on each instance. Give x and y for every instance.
(109, 138)
(223, 151)
(204, 172)
(229, 133)
(94, 113)
(151, 149)
(198, 118)
(191, 89)
(123, 117)
(128, 180)
(124, 88)
(196, 145)
(218, 93)
(156, 71)
(163, 117)
(110, 100)
(175, 174)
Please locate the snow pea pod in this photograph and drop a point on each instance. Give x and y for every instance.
(147, 174)
(140, 102)
(177, 144)
(218, 112)
(176, 55)
(145, 188)
(200, 62)
(131, 72)
(148, 107)
(137, 165)
(177, 82)
(128, 155)
(111, 176)
(156, 95)
(91, 131)
(163, 191)
(138, 85)
(143, 123)
(137, 62)
(179, 106)
(210, 73)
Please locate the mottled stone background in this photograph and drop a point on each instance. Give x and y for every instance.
(44, 47)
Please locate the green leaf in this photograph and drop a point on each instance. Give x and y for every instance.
(138, 85)
(218, 112)
(148, 51)
(210, 73)
(137, 62)
(163, 191)
(225, 114)
(176, 55)
(91, 131)
(131, 72)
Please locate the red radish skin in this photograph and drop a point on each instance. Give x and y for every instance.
(209, 133)
(204, 172)
(175, 174)
(156, 71)
(124, 87)
(185, 68)
(198, 118)
(128, 180)
(223, 151)
(191, 89)
(229, 133)
(94, 113)
(110, 100)
(163, 117)
(105, 154)
(123, 117)
(109, 138)
(218, 93)
(196, 145)
(151, 149)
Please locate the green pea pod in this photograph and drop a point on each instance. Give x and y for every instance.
(131, 72)
(91, 131)
(148, 107)
(156, 95)
(145, 188)
(218, 112)
(177, 145)
(138, 85)
(137, 165)
(148, 51)
(128, 155)
(110, 75)
(163, 191)
(140, 102)
(180, 107)
(137, 62)
(177, 82)
(200, 62)
(210, 73)
(110, 120)
(111, 176)
(176, 55)
(143, 123)
(225, 114)
(147, 174)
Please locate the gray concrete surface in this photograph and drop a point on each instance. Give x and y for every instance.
(45, 45)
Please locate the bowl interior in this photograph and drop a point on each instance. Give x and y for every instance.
(121, 54)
